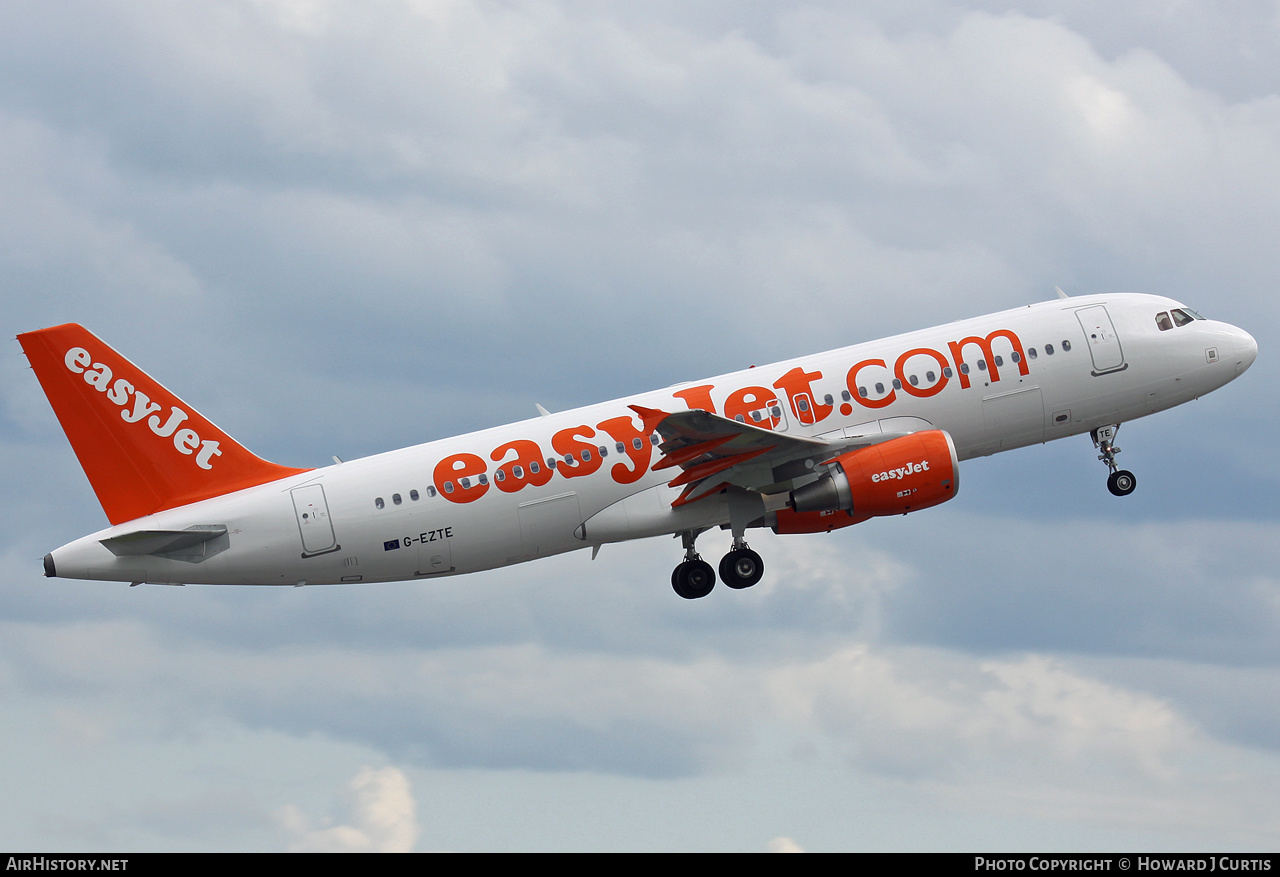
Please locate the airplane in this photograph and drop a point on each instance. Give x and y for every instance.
(807, 445)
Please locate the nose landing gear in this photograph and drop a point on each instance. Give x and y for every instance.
(1121, 482)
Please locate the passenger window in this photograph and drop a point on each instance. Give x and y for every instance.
(1000, 360)
(897, 384)
(1066, 345)
(844, 394)
(534, 467)
(827, 400)
(1048, 350)
(1015, 356)
(930, 377)
(1032, 353)
(803, 404)
(964, 368)
(586, 456)
(914, 381)
(947, 372)
(431, 491)
(622, 449)
(637, 443)
(518, 471)
(448, 487)
(862, 391)
(879, 388)
(378, 503)
(551, 463)
(1163, 323)
(395, 498)
(501, 475)
(484, 479)
(413, 495)
(982, 365)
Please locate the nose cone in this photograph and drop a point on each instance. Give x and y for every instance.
(1246, 351)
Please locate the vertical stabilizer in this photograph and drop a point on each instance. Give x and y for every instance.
(143, 449)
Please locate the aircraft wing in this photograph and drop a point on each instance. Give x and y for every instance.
(714, 452)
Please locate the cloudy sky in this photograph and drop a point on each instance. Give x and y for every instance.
(345, 227)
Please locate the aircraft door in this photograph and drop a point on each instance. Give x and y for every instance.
(1104, 344)
(314, 525)
(804, 408)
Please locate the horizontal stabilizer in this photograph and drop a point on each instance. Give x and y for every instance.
(161, 542)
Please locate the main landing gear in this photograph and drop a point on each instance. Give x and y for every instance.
(1120, 482)
(694, 577)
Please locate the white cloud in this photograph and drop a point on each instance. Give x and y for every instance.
(784, 845)
(380, 817)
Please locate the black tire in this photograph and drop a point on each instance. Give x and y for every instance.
(693, 579)
(1122, 483)
(741, 568)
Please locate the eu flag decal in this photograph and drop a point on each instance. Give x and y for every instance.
(391, 546)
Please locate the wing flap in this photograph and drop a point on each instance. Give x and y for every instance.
(714, 453)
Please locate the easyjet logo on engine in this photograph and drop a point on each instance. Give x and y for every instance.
(99, 376)
(901, 471)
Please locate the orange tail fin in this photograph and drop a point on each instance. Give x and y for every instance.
(143, 448)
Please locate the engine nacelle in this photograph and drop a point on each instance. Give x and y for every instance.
(785, 521)
(902, 475)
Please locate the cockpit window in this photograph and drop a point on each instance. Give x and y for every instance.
(1179, 317)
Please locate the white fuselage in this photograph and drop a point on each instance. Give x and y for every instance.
(1050, 370)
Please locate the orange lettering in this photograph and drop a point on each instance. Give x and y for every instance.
(899, 369)
(798, 385)
(852, 381)
(625, 431)
(586, 457)
(519, 472)
(449, 473)
(697, 397)
(751, 400)
(984, 344)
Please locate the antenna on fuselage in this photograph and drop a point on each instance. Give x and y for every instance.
(1061, 294)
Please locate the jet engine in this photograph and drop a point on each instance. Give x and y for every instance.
(894, 477)
(785, 521)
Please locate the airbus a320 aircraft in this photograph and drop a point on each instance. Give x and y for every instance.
(803, 446)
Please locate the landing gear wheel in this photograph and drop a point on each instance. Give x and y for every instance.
(693, 579)
(1122, 482)
(741, 568)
